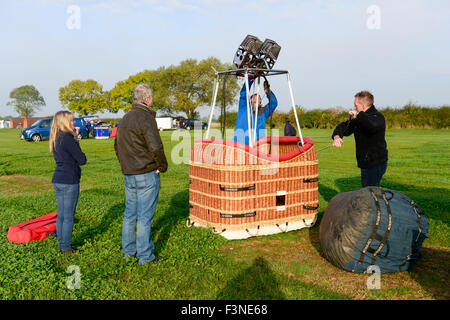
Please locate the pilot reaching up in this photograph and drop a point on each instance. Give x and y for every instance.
(241, 130)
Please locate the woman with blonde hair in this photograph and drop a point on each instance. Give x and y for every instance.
(66, 178)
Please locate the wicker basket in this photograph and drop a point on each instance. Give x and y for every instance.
(240, 191)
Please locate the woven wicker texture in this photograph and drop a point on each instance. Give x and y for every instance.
(231, 187)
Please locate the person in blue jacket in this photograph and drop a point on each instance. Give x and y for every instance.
(66, 178)
(241, 132)
(88, 128)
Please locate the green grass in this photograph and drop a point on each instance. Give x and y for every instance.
(200, 264)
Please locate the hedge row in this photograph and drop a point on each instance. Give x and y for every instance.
(410, 116)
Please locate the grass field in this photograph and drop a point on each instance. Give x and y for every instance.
(200, 264)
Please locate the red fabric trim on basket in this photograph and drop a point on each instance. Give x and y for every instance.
(308, 143)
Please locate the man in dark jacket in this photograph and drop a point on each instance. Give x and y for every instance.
(289, 130)
(368, 126)
(141, 156)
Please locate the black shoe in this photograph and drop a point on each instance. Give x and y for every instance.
(70, 251)
(156, 260)
(159, 259)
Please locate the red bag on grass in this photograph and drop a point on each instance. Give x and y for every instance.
(35, 229)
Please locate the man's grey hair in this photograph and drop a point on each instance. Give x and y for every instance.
(141, 92)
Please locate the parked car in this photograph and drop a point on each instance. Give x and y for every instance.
(189, 124)
(40, 130)
(102, 124)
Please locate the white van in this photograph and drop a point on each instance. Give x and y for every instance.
(4, 124)
(164, 123)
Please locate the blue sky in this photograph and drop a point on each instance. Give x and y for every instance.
(327, 46)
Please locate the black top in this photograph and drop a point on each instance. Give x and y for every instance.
(289, 130)
(369, 128)
(69, 158)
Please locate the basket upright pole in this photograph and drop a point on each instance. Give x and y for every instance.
(250, 142)
(256, 110)
(216, 89)
(293, 107)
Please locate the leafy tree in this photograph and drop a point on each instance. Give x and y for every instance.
(84, 97)
(122, 94)
(183, 88)
(26, 100)
(191, 85)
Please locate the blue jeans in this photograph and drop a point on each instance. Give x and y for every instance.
(372, 176)
(141, 192)
(66, 199)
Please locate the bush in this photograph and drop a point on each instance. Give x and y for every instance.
(410, 116)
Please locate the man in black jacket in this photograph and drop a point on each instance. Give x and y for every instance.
(289, 130)
(141, 156)
(368, 126)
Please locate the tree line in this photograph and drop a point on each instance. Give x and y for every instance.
(187, 86)
(409, 116)
(177, 88)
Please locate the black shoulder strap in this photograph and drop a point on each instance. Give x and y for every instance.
(375, 229)
(380, 238)
(388, 230)
(383, 240)
(419, 215)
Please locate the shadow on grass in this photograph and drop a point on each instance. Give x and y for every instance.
(161, 228)
(432, 272)
(178, 210)
(326, 192)
(115, 212)
(258, 282)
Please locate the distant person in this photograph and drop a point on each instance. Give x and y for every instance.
(88, 128)
(114, 130)
(241, 130)
(66, 178)
(289, 130)
(180, 124)
(92, 123)
(141, 156)
(368, 126)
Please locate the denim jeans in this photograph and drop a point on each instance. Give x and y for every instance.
(141, 192)
(66, 199)
(372, 176)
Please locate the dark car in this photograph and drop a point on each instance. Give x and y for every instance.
(189, 124)
(102, 124)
